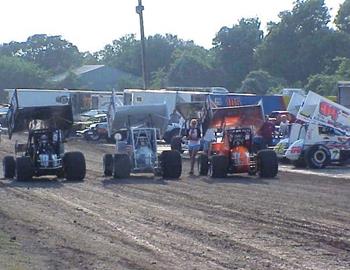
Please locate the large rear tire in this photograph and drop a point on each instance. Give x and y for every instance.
(121, 166)
(203, 164)
(171, 164)
(108, 165)
(24, 169)
(74, 166)
(317, 156)
(9, 167)
(218, 166)
(267, 163)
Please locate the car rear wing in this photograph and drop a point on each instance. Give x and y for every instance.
(295, 103)
(239, 116)
(322, 111)
(51, 106)
(136, 116)
(269, 103)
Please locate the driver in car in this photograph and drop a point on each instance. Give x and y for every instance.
(144, 154)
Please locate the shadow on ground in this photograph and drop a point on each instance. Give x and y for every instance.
(135, 179)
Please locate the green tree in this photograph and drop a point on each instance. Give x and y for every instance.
(123, 53)
(322, 84)
(18, 73)
(343, 71)
(160, 49)
(192, 67)
(128, 82)
(342, 20)
(49, 52)
(261, 82)
(234, 49)
(301, 44)
(159, 79)
(89, 59)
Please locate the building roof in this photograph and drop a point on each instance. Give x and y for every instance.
(86, 68)
(77, 71)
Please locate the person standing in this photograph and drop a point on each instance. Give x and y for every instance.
(284, 127)
(267, 131)
(208, 138)
(193, 137)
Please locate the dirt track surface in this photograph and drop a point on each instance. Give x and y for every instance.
(291, 222)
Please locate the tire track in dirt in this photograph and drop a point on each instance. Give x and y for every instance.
(163, 204)
(265, 224)
(72, 231)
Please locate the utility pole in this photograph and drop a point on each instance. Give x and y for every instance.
(139, 10)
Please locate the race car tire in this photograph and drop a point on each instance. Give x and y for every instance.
(317, 156)
(24, 169)
(74, 166)
(9, 167)
(121, 166)
(267, 163)
(218, 166)
(171, 164)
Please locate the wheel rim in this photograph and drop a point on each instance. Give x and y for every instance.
(320, 156)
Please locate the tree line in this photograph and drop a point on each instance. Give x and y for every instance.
(300, 50)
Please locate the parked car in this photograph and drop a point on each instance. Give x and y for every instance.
(92, 113)
(96, 132)
(83, 125)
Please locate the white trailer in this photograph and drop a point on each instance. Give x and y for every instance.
(82, 100)
(343, 97)
(170, 97)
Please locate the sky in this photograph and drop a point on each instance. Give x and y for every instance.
(92, 24)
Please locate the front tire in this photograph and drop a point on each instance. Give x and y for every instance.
(121, 166)
(171, 164)
(218, 166)
(9, 167)
(268, 163)
(74, 166)
(24, 169)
